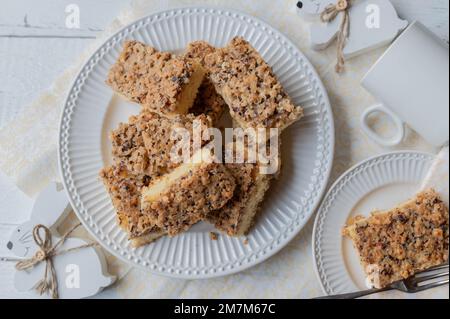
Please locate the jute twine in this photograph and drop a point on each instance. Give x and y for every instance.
(328, 15)
(45, 253)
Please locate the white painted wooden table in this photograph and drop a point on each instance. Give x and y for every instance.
(36, 46)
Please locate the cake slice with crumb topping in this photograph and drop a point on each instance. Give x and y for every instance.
(178, 200)
(397, 243)
(208, 101)
(159, 81)
(144, 144)
(198, 50)
(124, 189)
(238, 215)
(250, 88)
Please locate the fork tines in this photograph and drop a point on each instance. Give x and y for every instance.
(426, 277)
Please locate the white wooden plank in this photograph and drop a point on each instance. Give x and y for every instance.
(36, 46)
(432, 13)
(30, 65)
(15, 206)
(21, 18)
(47, 17)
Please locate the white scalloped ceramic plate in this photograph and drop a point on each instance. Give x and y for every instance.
(91, 112)
(377, 183)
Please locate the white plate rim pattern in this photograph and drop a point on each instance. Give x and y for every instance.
(332, 194)
(322, 173)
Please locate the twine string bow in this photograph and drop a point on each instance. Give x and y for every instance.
(328, 15)
(45, 253)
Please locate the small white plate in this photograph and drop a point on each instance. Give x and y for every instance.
(380, 182)
(307, 148)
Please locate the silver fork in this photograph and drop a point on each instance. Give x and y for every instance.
(410, 285)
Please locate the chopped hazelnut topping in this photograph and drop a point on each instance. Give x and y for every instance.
(179, 200)
(395, 244)
(208, 101)
(159, 81)
(249, 87)
(144, 144)
(237, 216)
(125, 191)
(213, 235)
